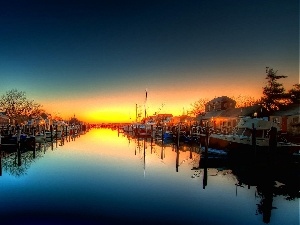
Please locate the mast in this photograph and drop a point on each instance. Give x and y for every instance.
(136, 113)
(145, 106)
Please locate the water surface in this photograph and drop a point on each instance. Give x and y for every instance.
(105, 178)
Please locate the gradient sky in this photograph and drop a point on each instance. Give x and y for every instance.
(97, 58)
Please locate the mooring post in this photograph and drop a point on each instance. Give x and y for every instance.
(66, 130)
(273, 139)
(206, 140)
(18, 137)
(162, 134)
(205, 174)
(56, 135)
(177, 158)
(51, 133)
(162, 151)
(19, 155)
(0, 163)
(56, 132)
(254, 139)
(178, 135)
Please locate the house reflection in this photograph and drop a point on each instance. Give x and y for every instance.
(259, 173)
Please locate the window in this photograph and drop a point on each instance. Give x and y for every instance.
(234, 123)
(296, 119)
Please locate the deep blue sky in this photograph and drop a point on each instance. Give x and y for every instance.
(82, 49)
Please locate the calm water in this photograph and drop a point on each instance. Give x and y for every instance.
(103, 178)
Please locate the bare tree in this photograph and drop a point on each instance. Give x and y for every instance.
(244, 101)
(198, 107)
(17, 107)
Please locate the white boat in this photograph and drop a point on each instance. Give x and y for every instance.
(40, 138)
(243, 136)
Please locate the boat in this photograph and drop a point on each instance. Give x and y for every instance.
(142, 130)
(40, 138)
(242, 138)
(14, 142)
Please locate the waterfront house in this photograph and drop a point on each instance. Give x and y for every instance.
(4, 120)
(224, 120)
(288, 119)
(220, 103)
(158, 119)
(183, 119)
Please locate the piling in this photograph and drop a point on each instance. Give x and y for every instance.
(18, 138)
(162, 152)
(56, 132)
(254, 139)
(144, 157)
(206, 140)
(177, 158)
(273, 139)
(66, 132)
(51, 133)
(0, 163)
(178, 135)
(162, 134)
(151, 131)
(205, 176)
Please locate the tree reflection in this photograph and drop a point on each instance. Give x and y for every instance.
(271, 178)
(17, 163)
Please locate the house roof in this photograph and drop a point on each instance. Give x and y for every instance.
(289, 110)
(244, 111)
(2, 115)
(221, 99)
(234, 112)
(165, 115)
(211, 114)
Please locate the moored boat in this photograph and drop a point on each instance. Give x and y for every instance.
(254, 134)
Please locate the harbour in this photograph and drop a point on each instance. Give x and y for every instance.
(107, 177)
(149, 112)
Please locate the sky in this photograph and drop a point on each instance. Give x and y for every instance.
(96, 59)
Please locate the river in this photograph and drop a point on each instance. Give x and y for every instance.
(103, 177)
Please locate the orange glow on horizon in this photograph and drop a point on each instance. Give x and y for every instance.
(121, 107)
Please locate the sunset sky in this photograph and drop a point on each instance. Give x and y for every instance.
(95, 59)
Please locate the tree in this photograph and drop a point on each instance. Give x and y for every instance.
(294, 93)
(198, 107)
(17, 107)
(244, 101)
(274, 96)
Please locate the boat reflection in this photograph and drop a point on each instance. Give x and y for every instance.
(16, 160)
(269, 178)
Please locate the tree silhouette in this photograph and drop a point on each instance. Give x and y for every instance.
(274, 96)
(198, 107)
(17, 107)
(294, 93)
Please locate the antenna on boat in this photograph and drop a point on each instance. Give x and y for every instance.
(145, 104)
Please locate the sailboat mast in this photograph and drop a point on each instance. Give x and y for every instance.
(136, 113)
(146, 105)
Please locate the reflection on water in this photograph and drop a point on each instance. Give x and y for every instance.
(103, 176)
